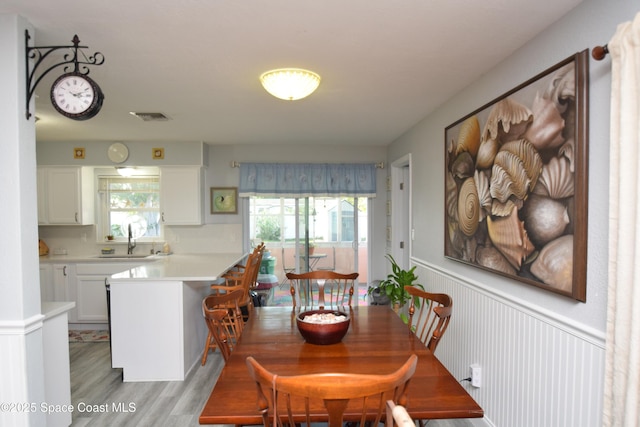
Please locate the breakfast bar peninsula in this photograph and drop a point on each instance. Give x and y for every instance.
(155, 312)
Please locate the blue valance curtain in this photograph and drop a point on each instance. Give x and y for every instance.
(307, 180)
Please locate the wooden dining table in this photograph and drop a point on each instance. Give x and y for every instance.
(377, 342)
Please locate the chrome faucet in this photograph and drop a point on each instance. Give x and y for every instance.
(130, 245)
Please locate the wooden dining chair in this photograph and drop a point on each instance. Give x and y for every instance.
(224, 321)
(235, 274)
(240, 267)
(397, 416)
(244, 278)
(432, 317)
(337, 397)
(334, 289)
(285, 269)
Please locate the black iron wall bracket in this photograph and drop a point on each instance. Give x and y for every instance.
(37, 54)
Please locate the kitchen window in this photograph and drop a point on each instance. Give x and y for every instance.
(131, 200)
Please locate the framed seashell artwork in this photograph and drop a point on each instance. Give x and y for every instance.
(517, 179)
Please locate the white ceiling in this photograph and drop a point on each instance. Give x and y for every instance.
(384, 64)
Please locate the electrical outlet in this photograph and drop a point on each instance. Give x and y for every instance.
(476, 375)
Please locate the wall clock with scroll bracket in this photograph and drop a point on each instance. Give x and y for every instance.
(76, 96)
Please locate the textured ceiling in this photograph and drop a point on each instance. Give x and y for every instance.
(384, 64)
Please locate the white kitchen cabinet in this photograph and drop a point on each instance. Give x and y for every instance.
(91, 299)
(90, 290)
(62, 273)
(54, 282)
(65, 196)
(181, 195)
(46, 283)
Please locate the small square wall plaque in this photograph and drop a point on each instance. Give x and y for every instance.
(78, 153)
(157, 153)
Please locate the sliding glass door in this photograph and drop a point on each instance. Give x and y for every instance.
(312, 233)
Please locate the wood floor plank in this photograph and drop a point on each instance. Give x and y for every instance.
(163, 403)
(157, 404)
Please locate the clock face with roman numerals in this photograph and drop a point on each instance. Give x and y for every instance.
(76, 96)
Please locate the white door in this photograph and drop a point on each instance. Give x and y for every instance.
(401, 222)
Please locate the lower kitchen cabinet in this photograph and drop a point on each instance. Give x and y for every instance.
(82, 283)
(62, 275)
(90, 294)
(46, 282)
(91, 299)
(54, 282)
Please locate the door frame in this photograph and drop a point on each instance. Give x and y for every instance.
(401, 210)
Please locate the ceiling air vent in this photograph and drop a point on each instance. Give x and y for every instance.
(150, 117)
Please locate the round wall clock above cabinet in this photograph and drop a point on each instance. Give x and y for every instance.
(118, 152)
(76, 96)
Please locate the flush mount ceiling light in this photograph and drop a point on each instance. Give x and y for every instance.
(290, 84)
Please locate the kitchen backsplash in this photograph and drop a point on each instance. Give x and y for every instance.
(210, 238)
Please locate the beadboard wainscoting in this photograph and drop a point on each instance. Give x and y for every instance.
(537, 368)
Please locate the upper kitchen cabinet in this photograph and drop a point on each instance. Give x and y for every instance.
(65, 196)
(181, 195)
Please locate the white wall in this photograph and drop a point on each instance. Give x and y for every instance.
(221, 174)
(179, 153)
(21, 348)
(220, 233)
(592, 23)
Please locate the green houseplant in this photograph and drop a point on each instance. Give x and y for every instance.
(393, 285)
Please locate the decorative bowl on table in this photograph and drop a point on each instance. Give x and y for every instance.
(323, 327)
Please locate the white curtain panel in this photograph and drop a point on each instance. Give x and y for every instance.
(622, 382)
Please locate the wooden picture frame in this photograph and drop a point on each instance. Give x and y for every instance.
(516, 182)
(224, 200)
(157, 153)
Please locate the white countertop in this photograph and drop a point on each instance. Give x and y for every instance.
(53, 308)
(183, 267)
(93, 258)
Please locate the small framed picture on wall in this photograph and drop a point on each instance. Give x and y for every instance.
(224, 200)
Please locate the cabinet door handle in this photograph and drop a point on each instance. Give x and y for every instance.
(76, 216)
(162, 215)
(64, 270)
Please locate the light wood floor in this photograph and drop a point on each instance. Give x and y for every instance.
(94, 384)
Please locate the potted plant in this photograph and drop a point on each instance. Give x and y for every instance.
(312, 248)
(393, 285)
